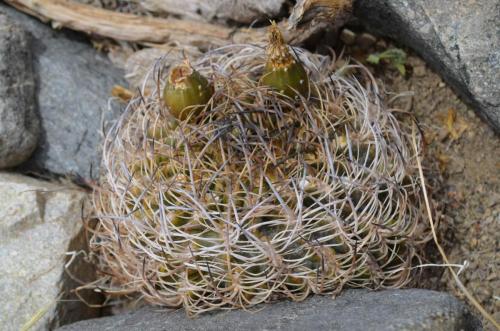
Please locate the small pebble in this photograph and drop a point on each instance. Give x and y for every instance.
(348, 37)
(471, 134)
(365, 40)
(419, 71)
(381, 44)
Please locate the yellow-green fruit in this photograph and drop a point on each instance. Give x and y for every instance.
(287, 80)
(283, 72)
(186, 92)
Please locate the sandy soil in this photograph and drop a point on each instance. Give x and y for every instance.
(467, 152)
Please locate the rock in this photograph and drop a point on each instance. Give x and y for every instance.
(19, 124)
(459, 39)
(353, 310)
(348, 37)
(419, 71)
(366, 40)
(74, 85)
(39, 223)
(243, 11)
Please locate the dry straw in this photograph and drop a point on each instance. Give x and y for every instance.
(261, 194)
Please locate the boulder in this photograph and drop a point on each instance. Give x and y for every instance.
(353, 310)
(19, 124)
(242, 11)
(459, 39)
(74, 83)
(39, 223)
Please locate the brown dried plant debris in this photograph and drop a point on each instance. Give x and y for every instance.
(133, 28)
(148, 30)
(314, 12)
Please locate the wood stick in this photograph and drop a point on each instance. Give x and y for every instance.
(133, 28)
(150, 31)
(334, 12)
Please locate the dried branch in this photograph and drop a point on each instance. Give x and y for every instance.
(315, 12)
(152, 31)
(133, 28)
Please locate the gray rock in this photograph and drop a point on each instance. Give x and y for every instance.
(39, 223)
(74, 85)
(19, 124)
(460, 39)
(353, 310)
(243, 11)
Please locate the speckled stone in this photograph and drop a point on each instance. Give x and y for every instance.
(39, 223)
(19, 123)
(460, 39)
(74, 83)
(354, 310)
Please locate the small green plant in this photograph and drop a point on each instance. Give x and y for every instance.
(393, 56)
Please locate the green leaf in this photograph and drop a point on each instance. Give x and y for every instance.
(401, 68)
(373, 58)
(394, 56)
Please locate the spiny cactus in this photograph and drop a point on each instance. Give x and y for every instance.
(259, 193)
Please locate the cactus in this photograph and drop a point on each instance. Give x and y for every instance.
(261, 196)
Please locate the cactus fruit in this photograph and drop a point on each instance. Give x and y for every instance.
(262, 196)
(283, 72)
(186, 91)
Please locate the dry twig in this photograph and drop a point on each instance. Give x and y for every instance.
(153, 31)
(314, 12)
(462, 287)
(133, 28)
